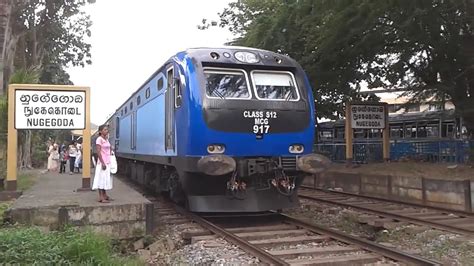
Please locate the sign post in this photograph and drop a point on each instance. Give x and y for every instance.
(35, 106)
(367, 116)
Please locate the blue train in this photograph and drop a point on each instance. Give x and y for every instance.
(221, 129)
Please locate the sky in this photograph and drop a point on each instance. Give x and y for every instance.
(131, 41)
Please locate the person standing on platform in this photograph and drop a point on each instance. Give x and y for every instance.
(77, 163)
(50, 156)
(63, 158)
(72, 152)
(102, 178)
(55, 154)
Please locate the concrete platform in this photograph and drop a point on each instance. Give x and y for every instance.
(55, 201)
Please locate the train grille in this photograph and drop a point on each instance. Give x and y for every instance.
(288, 163)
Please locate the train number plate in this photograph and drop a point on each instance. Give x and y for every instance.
(261, 120)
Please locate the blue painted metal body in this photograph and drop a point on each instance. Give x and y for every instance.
(192, 134)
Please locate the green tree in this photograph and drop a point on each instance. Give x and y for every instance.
(424, 47)
(41, 38)
(25, 76)
(48, 34)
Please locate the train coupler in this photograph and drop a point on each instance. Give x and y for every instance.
(234, 185)
(283, 183)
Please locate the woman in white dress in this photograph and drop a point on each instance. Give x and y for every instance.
(102, 178)
(50, 156)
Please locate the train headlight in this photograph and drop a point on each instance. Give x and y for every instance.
(246, 57)
(216, 149)
(296, 148)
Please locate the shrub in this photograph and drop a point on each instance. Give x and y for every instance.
(28, 246)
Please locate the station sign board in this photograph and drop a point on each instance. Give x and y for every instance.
(50, 109)
(367, 116)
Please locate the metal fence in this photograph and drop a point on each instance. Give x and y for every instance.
(454, 151)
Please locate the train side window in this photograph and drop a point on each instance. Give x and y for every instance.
(139, 100)
(160, 84)
(117, 127)
(178, 98)
(121, 112)
(147, 93)
(126, 110)
(131, 106)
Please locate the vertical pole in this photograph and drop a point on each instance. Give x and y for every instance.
(386, 136)
(86, 145)
(348, 135)
(12, 142)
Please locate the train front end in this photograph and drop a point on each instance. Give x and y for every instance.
(251, 131)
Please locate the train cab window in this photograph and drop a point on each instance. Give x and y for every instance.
(226, 84)
(275, 85)
(159, 84)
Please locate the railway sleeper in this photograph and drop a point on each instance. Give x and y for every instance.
(263, 235)
(261, 228)
(289, 240)
(357, 259)
(313, 251)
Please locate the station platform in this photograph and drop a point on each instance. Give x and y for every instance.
(56, 200)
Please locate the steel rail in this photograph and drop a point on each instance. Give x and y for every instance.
(364, 244)
(399, 217)
(241, 243)
(457, 212)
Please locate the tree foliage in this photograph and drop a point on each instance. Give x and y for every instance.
(423, 46)
(44, 37)
(50, 35)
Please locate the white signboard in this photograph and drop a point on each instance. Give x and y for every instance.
(367, 116)
(43, 109)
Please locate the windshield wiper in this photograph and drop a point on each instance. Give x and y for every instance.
(292, 88)
(216, 92)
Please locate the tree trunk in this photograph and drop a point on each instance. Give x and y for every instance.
(26, 154)
(5, 35)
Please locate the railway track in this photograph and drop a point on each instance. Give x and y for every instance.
(278, 239)
(385, 212)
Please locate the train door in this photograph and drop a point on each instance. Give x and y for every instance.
(169, 110)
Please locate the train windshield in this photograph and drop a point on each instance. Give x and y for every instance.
(226, 84)
(275, 85)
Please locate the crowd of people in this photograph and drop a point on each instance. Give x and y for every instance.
(61, 155)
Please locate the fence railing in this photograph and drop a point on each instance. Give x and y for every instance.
(457, 151)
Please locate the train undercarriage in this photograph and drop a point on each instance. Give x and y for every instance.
(255, 185)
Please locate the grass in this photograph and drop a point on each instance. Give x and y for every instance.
(27, 246)
(26, 181)
(3, 207)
